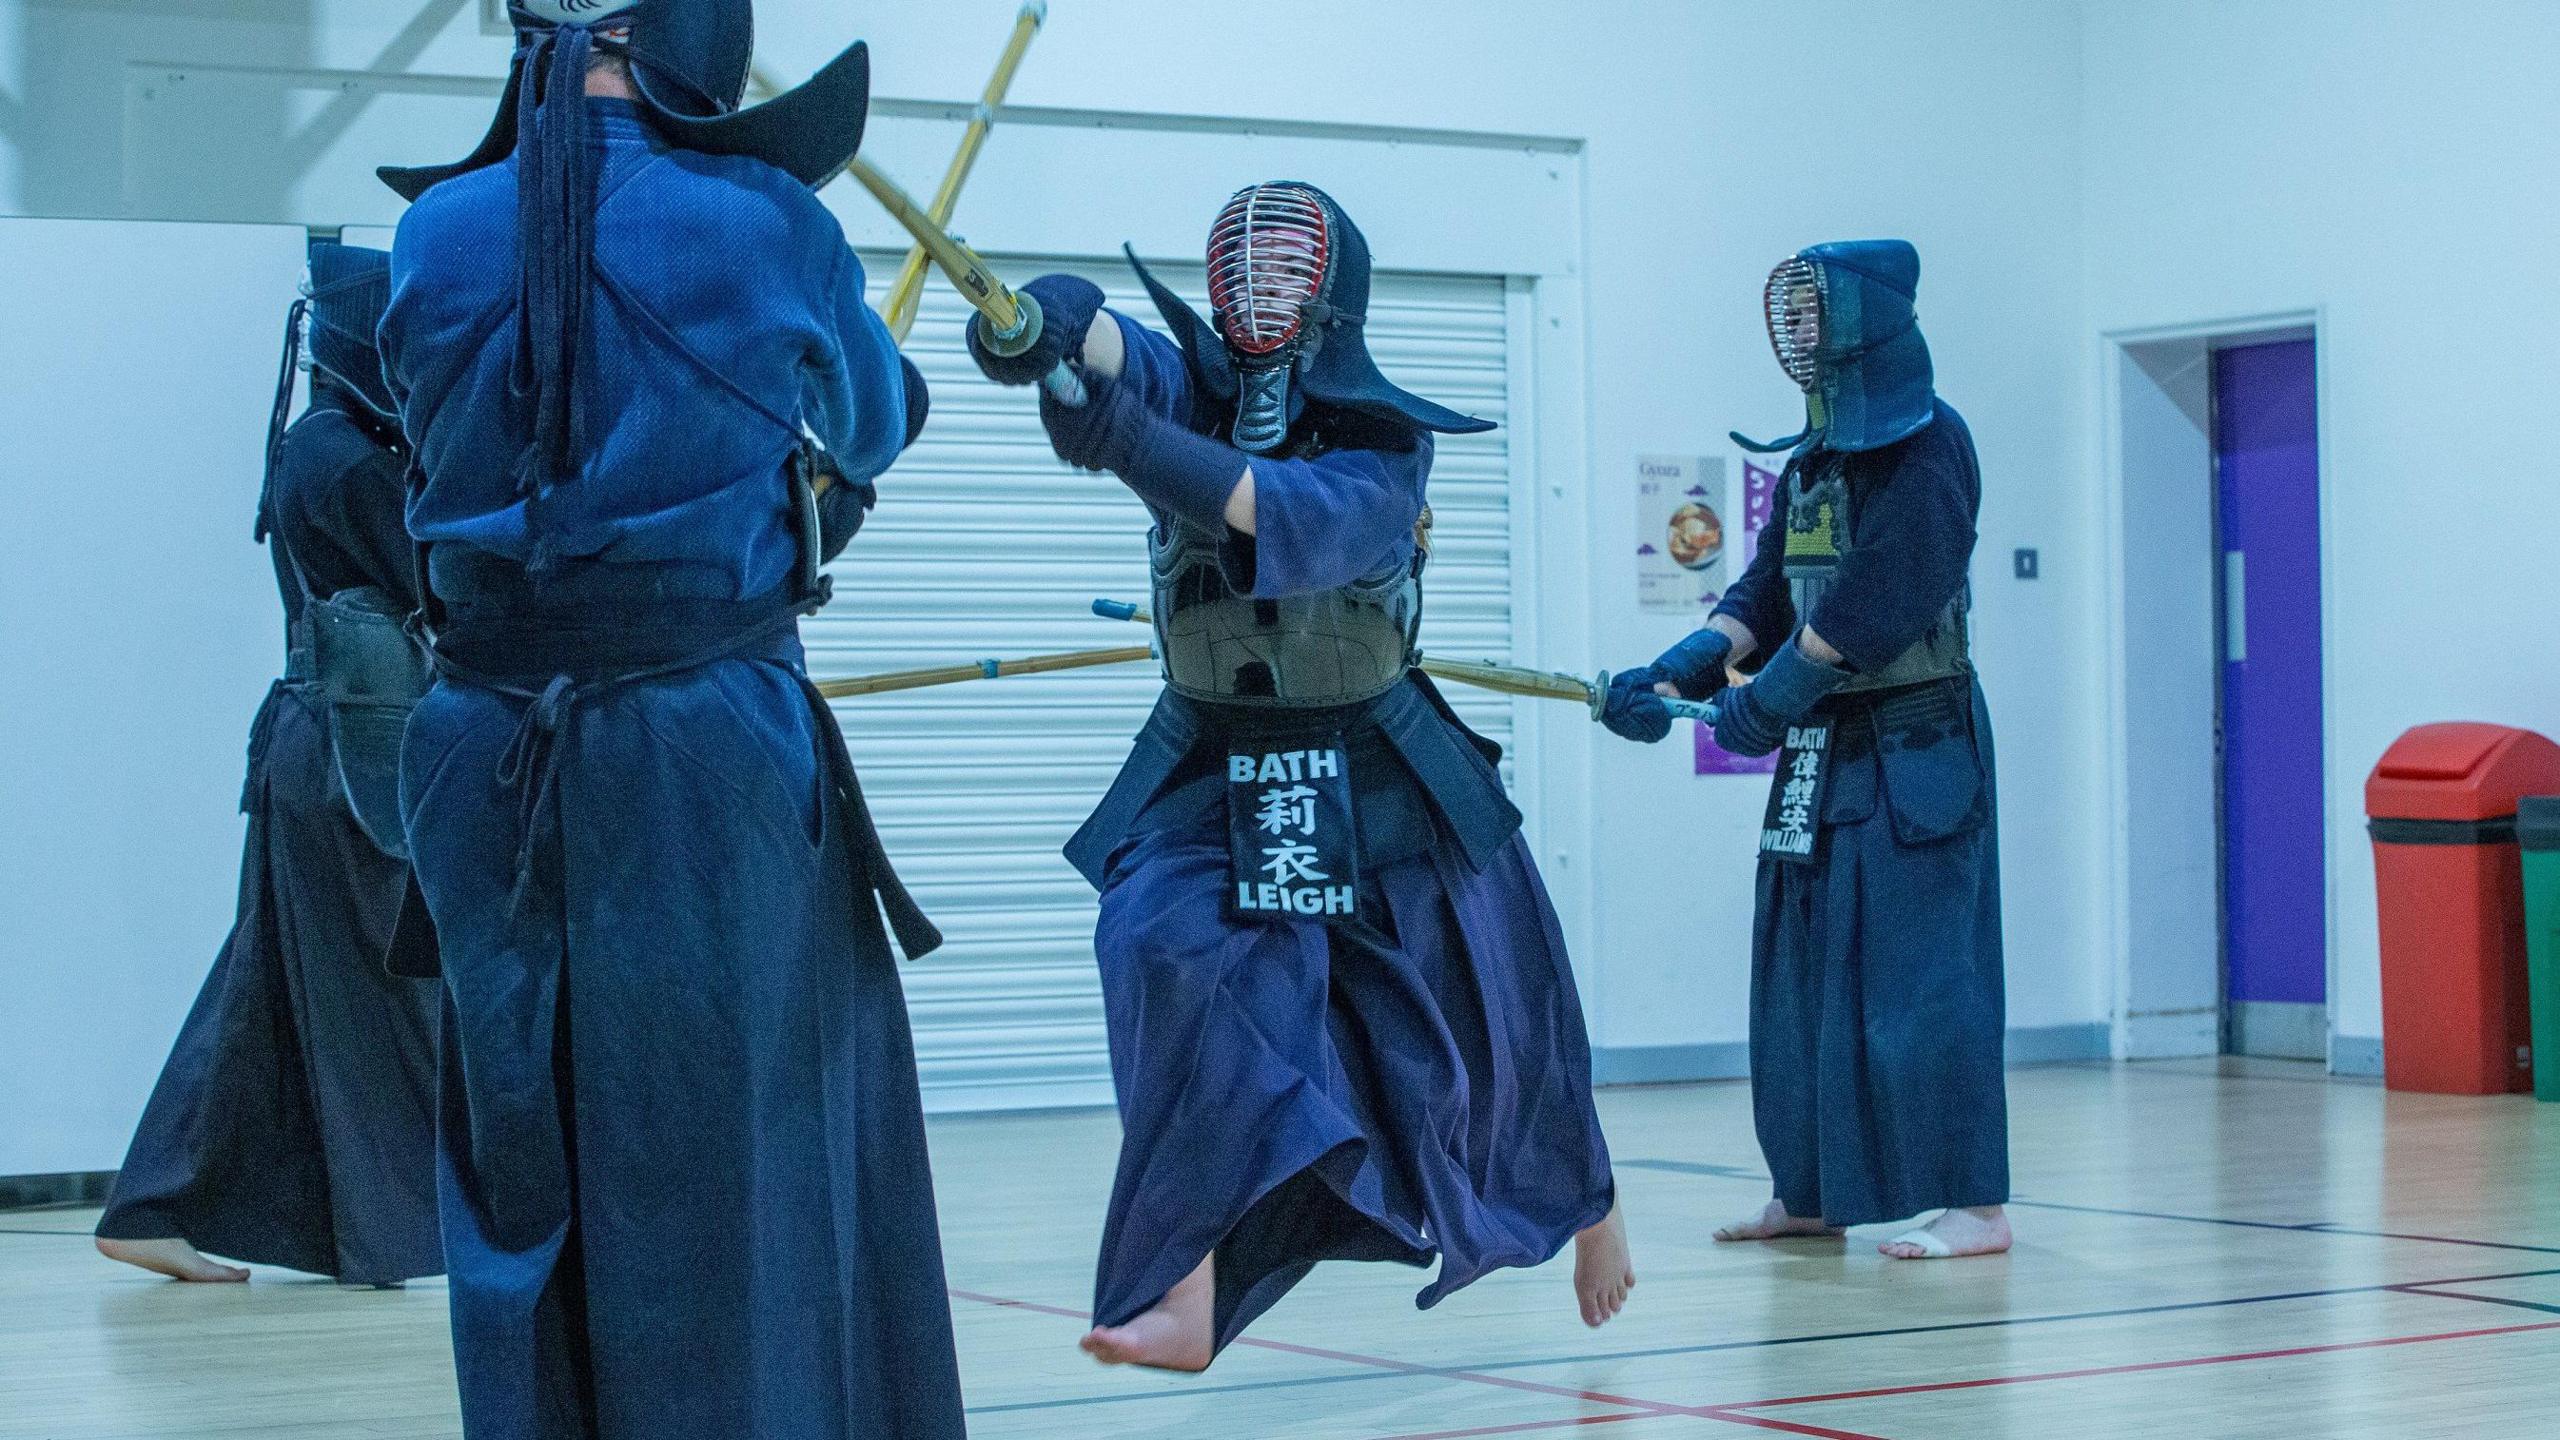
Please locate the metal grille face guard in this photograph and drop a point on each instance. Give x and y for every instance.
(1793, 304)
(1268, 253)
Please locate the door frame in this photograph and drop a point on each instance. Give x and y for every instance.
(2167, 984)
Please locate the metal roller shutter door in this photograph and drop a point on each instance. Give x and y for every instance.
(985, 545)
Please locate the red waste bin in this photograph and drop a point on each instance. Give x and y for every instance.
(2441, 808)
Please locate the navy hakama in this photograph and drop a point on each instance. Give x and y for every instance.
(1877, 1000)
(684, 1176)
(1877, 994)
(1410, 1084)
(294, 1123)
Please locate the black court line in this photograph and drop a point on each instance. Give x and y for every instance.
(2438, 1239)
(1684, 1167)
(2309, 1227)
(1691, 1167)
(83, 1234)
(2481, 1299)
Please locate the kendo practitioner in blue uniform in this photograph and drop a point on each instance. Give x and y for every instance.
(294, 1123)
(1342, 1022)
(1876, 992)
(683, 1173)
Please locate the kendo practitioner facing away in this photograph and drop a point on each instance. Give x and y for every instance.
(294, 1123)
(683, 1163)
(1342, 1022)
(1876, 991)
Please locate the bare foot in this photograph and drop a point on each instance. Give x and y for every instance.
(1772, 1222)
(1953, 1235)
(1602, 1273)
(172, 1257)
(1175, 1335)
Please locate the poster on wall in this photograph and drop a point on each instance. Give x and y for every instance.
(1681, 565)
(1759, 501)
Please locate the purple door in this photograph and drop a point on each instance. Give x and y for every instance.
(2274, 880)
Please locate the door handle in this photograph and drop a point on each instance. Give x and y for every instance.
(2235, 606)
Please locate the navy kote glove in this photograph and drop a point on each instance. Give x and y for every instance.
(1168, 465)
(1068, 304)
(1632, 710)
(1695, 666)
(1753, 719)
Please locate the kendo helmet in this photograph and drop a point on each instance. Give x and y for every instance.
(349, 289)
(1844, 325)
(1288, 299)
(690, 61)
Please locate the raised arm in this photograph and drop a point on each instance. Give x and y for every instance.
(861, 397)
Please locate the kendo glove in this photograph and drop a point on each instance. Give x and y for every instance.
(1752, 720)
(1694, 667)
(1168, 465)
(1068, 304)
(1632, 710)
(842, 507)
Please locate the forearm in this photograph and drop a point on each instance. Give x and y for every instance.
(1240, 504)
(1103, 353)
(1732, 628)
(1815, 646)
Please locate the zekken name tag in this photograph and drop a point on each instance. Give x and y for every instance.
(1291, 843)
(1794, 820)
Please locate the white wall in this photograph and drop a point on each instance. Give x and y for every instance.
(1956, 124)
(1959, 129)
(2390, 165)
(138, 629)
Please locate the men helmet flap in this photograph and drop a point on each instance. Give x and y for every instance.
(350, 288)
(1843, 320)
(690, 60)
(1288, 296)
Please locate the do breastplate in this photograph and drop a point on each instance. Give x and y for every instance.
(1222, 645)
(1821, 515)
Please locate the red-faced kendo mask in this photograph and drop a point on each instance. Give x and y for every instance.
(1271, 254)
(1289, 292)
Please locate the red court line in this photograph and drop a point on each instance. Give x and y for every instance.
(1764, 1422)
(2190, 1363)
(1524, 1427)
(1757, 1422)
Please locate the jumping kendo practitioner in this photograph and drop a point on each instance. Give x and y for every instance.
(1342, 1022)
(294, 1123)
(1876, 992)
(683, 1164)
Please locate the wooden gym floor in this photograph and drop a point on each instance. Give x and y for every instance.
(2205, 1249)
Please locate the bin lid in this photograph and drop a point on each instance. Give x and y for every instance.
(2461, 771)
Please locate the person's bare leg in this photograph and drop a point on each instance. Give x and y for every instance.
(172, 1257)
(1772, 1222)
(1602, 1271)
(1955, 1234)
(1176, 1335)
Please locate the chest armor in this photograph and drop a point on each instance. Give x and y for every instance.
(1821, 521)
(1223, 646)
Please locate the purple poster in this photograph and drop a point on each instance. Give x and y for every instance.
(1759, 498)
